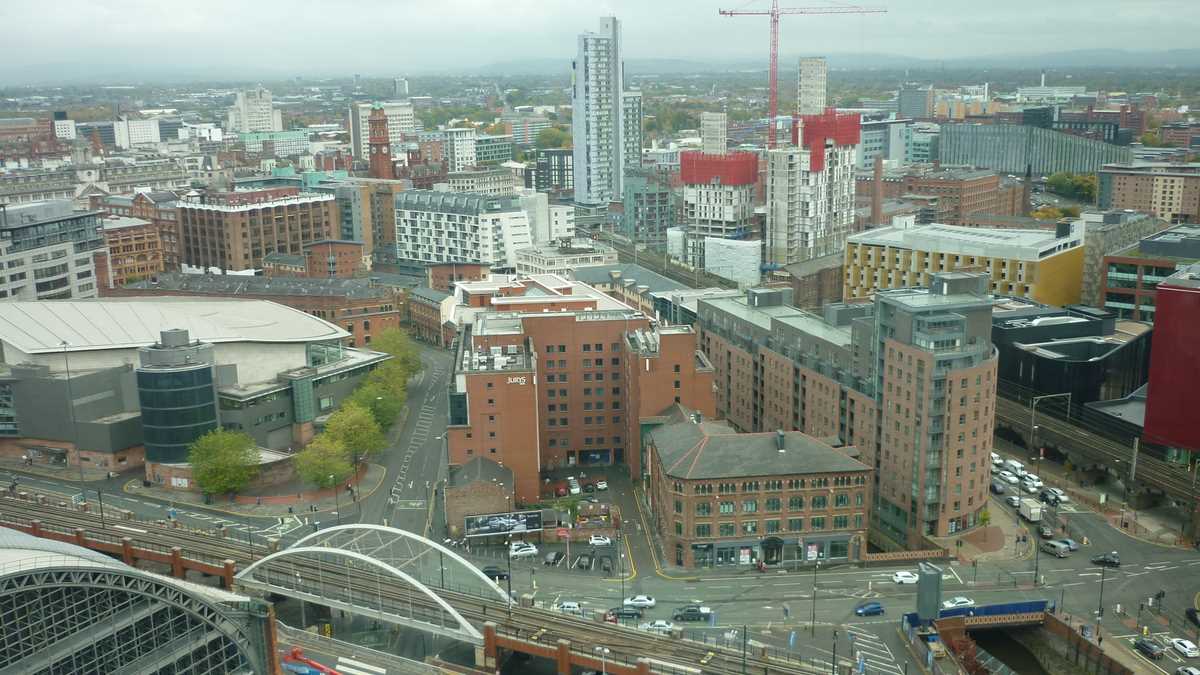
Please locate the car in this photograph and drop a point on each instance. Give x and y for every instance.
(553, 558)
(583, 562)
(1049, 497)
(692, 613)
(599, 540)
(1045, 532)
(1107, 559)
(606, 564)
(1187, 670)
(658, 626)
(1029, 488)
(591, 500)
(905, 577)
(1192, 615)
(561, 491)
(625, 613)
(1149, 648)
(1013, 501)
(1008, 477)
(995, 458)
(1185, 648)
(520, 549)
(998, 488)
(569, 607)
(589, 488)
(1032, 478)
(958, 601)
(868, 608)
(495, 573)
(1071, 544)
(642, 601)
(996, 468)
(573, 489)
(601, 485)
(1063, 497)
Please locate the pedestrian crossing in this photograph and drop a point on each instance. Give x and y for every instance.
(872, 652)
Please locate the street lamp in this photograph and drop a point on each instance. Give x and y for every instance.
(812, 626)
(336, 499)
(509, 579)
(603, 652)
(835, 638)
(1100, 606)
(1033, 422)
(71, 411)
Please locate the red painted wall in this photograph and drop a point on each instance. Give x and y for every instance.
(817, 129)
(735, 168)
(1174, 369)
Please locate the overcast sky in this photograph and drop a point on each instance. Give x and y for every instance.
(230, 39)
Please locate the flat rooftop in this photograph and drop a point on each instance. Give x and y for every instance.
(227, 285)
(977, 241)
(737, 307)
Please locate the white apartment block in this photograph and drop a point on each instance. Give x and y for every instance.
(46, 251)
(434, 226)
(401, 122)
(494, 181)
(810, 90)
(809, 213)
(562, 221)
(562, 257)
(460, 149)
(714, 130)
(135, 132)
(722, 211)
(606, 120)
(64, 130)
(253, 110)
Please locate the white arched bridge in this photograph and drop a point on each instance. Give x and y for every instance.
(378, 572)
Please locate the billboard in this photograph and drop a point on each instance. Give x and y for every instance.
(502, 523)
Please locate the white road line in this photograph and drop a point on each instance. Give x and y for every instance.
(955, 575)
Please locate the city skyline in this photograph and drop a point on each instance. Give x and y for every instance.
(204, 43)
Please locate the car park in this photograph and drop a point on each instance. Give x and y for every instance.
(1185, 648)
(599, 540)
(606, 564)
(869, 608)
(1107, 559)
(692, 613)
(570, 607)
(1149, 648)
(642, 601)
(658, 626)
(520, 549)
(1071, 544)
(905, 577)
(495, 573)
(1008, 477)
(601, 485)
(1013, 501)
(958, 601)
(553, 558)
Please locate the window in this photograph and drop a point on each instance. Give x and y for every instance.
(678, 524)
(615, 361)
(678, 503)
(820, 502)
(841, 522)
(817, 523)
(795, 503)
(726, 507)
(587, 348)
(774, 504)
(727, 529)
(677, 367)
(841, 499)
(676, 384)
(749, 505)
(749, 526)
(839, 549)
(795, 524)
(704, 508)
(599, 347)
(326, 402)
(704, 530)
(772, 526)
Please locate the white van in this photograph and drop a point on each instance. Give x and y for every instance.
(1014, 467)
(1056, 549)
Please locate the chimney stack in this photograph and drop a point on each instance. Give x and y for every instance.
(1043, 77)
(779, 438)
(877, 193)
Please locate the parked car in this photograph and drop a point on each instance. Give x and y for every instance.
(1063, 497)
(1192, 615)
(553, 558)
(601, 485)
(1008, 477)
(1149, 648)
(1029, 488)
(599, 540)
(561, 491)
(583, 562)
(658, 626)
(998, 488)
(589, 488)
(868, 608)
(570, 607)
(1107, 559)
(1045, 532)
(1013, 501)
(1048, 497)
(1185, 648)
(905, 577)
(692, 613)
(1032, 478)
(1187, 670)
(642, 601)
(1071, 544)
(958, 601)
(521, 549)
(495, 573)
(995, 458)
(625, 613)
(996, 468)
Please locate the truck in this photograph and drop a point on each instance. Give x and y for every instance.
(1031, 510)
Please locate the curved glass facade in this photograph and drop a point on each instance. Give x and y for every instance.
(179, 405)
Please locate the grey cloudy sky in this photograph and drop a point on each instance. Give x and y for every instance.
(226, 39)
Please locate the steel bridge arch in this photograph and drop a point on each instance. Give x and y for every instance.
(296, 551)
(405, 534)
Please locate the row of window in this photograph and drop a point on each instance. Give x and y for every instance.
(774, 485)
(587, 377)
(773, 504)
(595, 347)
(815, 524)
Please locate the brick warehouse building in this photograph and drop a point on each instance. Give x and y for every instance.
(563, 378)
(909, 379)
(723, 498)
(961, 192)
(158, 207)
(237, 230)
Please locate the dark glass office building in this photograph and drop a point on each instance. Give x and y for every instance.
(177, 395)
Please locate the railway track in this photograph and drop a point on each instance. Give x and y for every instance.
(543, 626)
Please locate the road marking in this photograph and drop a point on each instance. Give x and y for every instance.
(955, 575)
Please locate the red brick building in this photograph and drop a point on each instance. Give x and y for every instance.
(425, 316)
(237, 230)
(443, 276)
(563, 377)
(135, 250)
(160, 208)
(960, 191)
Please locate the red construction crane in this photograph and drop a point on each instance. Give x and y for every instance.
(775, 12)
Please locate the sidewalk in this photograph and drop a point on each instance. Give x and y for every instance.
(329, 502)
(60, 472)
(997, 541)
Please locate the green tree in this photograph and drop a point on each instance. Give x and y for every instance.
(552, 137)
(324, 462)
(355, 429)
(985, 517)
(1150, 140)
(396, 343)
(223, 461)
(383, 403)
(1047, 213)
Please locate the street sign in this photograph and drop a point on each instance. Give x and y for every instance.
(562, 533)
